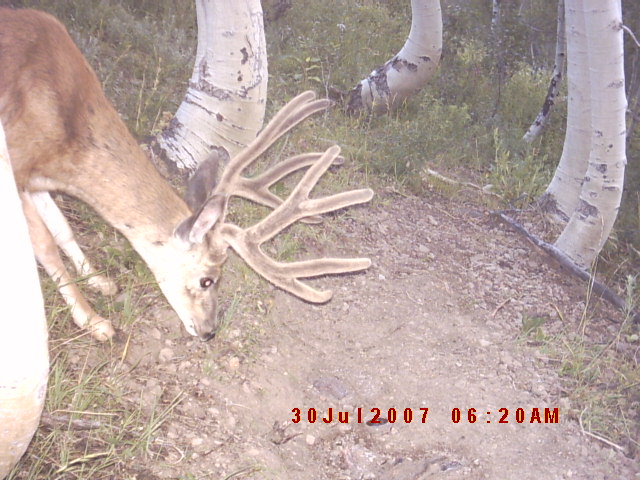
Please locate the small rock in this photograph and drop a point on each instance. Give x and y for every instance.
(310, 439)
(345, 428)
(230, 421)
(565, 404)
(331, 387)
(506, 358)
(170, 368)
(121, 297)
(151, 394)
(166, 355)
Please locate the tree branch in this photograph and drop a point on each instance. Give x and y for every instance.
(630, 32)
(598, 287)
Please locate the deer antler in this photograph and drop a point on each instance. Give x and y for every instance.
(256, 189)
(247, 242)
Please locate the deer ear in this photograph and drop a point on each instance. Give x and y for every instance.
(193, 229)
(205, 178)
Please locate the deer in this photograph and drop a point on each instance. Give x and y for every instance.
(63, 135)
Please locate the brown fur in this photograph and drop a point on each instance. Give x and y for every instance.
(63, 134)
(58, 120)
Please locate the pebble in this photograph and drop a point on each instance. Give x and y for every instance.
(166, 355)
(331, 387)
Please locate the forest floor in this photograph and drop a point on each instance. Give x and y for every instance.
(436, 323)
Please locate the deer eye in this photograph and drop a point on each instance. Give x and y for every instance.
(206, 282)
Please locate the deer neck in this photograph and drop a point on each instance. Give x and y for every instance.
(119, 181)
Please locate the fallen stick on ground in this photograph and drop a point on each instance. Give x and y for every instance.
(484, 190)
(598, 287)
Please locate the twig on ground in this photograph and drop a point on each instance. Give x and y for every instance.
(597, 286)
(558, 312)
(450, 181)
(417, 302)
(500, 307)
(598, 437)
(51, 421)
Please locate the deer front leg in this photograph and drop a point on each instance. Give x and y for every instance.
(63, 236)
(46, 252)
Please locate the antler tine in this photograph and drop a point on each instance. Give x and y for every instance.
(286, 275)
(257, 189)
(298, 205)
(288, 117)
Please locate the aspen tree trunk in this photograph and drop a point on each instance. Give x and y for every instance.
(599, 200)
(24, 358)
(497, 41)
(407, 72)
(225, 103)
(556, 79)
(561, 196)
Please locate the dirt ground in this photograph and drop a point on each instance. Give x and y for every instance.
(435, 323)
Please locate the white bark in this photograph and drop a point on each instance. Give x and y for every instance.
(495, 16)
(24, 358)
(601, 192)
(561, 196)
(225, 103)
(409, 71)
(554, 84)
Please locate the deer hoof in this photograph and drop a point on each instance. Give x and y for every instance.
(101, 329)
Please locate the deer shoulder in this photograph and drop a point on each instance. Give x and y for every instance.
(64, 135)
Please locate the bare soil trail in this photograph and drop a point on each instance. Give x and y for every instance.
(434, 324)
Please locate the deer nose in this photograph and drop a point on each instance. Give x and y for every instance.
(206, 336)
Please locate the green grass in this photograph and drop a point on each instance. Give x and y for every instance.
(599, 380)
(91, 429)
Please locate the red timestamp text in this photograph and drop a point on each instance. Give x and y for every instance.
(377, 416)
(519, 415)
(380, 417)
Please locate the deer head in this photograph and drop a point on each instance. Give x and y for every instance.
(208, 226)
(63, 134)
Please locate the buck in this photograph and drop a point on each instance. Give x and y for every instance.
(64, 135)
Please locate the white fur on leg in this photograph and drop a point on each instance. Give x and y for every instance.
(63, 236)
